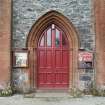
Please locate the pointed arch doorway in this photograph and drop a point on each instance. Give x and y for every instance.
(52, 57)
(53, 46)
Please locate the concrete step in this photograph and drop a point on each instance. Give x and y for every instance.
(47, 94)
(52, 94)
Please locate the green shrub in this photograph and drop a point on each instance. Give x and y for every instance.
(102, 92)
(9, 91)
(94, 92)
(97, 92)
(76, 93)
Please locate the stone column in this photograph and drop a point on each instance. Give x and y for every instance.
(99, 8)
(5, 42)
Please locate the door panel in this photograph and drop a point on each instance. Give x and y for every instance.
(65, 58)
(41, 58)
(57, 58)
(48, 58)
(53, 60)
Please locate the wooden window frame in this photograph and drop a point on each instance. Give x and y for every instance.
(14, 59)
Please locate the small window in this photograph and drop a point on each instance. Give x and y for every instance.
(57, 38)
(53, 26)
(49, 37)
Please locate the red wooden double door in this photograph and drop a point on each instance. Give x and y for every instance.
(53, 59)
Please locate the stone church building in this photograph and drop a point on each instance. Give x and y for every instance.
(52, 44)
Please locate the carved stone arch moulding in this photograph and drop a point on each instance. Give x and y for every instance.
(53, 17)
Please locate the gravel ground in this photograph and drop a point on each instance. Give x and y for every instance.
(20, 100)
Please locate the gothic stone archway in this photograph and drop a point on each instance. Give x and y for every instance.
(53, 17)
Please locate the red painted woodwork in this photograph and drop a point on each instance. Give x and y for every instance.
(53, 59)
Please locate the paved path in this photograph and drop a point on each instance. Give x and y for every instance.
(20, 100)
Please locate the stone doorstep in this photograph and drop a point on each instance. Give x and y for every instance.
(47, 95)
(29, 95)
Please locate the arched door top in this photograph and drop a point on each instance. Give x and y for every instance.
(53, 36)
(52, 17)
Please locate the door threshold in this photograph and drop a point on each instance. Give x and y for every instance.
(52, 90)
(51, 94)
